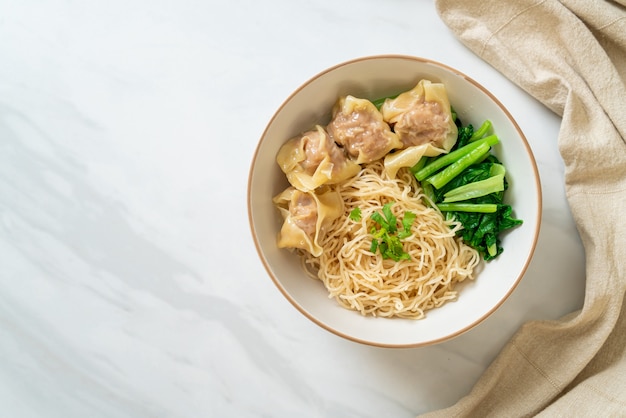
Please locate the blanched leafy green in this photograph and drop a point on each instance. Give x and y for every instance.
(446, 175)
(445, 160)
(468, 207)
(463, 137)
(469, 184)
(479, 188)
(482, 131)
(481, 230)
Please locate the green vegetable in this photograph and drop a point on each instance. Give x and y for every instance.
(463, 136)
(379, 102)
(468, 207)
(429, 191)
(407, 221)
(447, 159)
(386, 237)
(481, 230)
(476, 172)
(468, 184)
(419, 165)
(466, 134)
(355, 214)
(492, 184)
(447, 174)
(482, 131)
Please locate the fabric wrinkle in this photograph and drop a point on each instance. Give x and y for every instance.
(571, 56)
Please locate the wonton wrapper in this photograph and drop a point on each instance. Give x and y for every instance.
(305, 214)
(408, 158)
(422, 115)
(313, 159)
(358, 126)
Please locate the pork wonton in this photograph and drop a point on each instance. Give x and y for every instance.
(422, 119)
(313, 159)
(305, 214)
(422, 115)
(358, 126)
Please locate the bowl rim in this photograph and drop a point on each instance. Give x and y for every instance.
(537, 180)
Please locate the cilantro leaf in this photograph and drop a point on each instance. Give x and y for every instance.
(378, 218)
(374, 246)
(386, 237)
(390, 218)
(355, 214)
(407, 221)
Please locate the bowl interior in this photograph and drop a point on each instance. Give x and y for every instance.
(374, 77)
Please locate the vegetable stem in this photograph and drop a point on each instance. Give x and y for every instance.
(447, 159)
(475, 189)
(482, 131)
(429, 192)
(419, 165)
(468, 207)
(447, 174)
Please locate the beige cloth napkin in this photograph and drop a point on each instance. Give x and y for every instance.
(570, 55)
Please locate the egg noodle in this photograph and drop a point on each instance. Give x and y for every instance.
(365, 282)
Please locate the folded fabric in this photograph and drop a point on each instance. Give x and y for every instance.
(571, 56)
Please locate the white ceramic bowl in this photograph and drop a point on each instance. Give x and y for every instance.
(374, 77)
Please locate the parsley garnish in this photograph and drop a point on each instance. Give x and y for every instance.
(385, 234)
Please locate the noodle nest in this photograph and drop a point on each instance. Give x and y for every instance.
(363, 281)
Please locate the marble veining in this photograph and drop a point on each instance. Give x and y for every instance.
(129, 283)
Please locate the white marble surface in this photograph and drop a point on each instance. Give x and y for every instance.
(129, 283)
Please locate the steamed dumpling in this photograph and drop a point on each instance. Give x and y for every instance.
(421, 116)
(313, 159)
(305, 214)
(359, 127)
